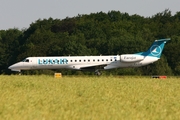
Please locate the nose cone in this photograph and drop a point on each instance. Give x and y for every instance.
(10, 67)
(15, 67)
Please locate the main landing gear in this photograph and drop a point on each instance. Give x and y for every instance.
(97, 72)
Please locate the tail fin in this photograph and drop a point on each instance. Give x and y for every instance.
(156, 48)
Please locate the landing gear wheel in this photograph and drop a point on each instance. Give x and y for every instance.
(97, 72)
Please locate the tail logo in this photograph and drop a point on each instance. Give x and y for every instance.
(155, 50)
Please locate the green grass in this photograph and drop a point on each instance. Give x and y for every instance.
(89, 98)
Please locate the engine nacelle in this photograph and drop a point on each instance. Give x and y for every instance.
(131, 58)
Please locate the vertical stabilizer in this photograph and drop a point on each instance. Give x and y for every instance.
(156, 48)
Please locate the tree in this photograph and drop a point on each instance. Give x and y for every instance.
(9, 43)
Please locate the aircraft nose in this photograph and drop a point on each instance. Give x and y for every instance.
(14, 67)
(11, 67)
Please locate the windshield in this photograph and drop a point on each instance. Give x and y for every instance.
(26, 60)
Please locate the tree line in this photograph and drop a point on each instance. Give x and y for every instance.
(99, 33)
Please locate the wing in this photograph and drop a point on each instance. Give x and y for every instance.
(87, 67)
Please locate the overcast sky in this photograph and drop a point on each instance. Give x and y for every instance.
(21, 13)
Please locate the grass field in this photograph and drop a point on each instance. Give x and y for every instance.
(89, 98)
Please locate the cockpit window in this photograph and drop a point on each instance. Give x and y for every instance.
(26, 60)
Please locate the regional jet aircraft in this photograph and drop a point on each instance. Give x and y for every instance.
(91, 62)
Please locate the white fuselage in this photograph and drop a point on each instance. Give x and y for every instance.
(89, 62)
(80, 62)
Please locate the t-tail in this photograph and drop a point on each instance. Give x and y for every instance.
(156, 48)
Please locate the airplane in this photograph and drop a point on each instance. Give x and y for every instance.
(91, 62)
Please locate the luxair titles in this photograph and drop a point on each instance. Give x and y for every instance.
(52, 61)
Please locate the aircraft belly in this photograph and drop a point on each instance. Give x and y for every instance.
(52, 66)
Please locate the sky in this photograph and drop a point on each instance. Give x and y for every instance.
(21, 13)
